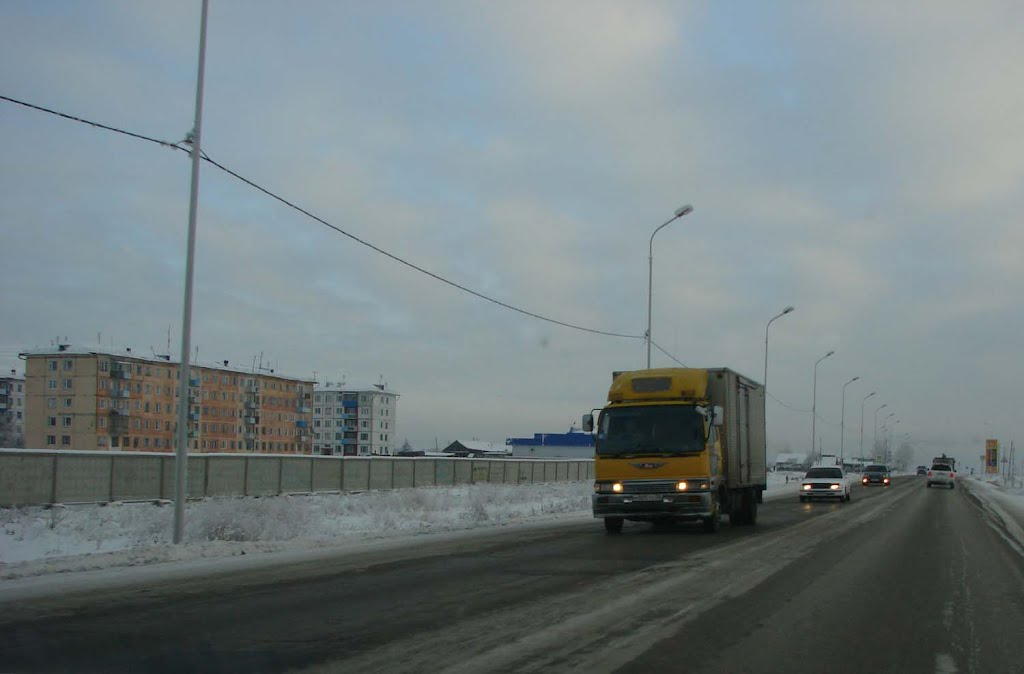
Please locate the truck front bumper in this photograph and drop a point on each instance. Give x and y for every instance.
(682, 506)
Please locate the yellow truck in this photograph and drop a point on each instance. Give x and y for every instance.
(679, 444)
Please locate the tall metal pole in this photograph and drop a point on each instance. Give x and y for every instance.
(181, 457)
(814, 402)
(785, 311)
(862, 422)
(680, 212)
(842, 422)
(874, 439)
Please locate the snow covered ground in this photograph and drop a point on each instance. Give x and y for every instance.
(1003, 503)
(37, 540)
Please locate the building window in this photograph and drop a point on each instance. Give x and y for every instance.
(65, 440)
(68, 384)
(67, 403)
(145, 442)
(51, 421)
(149, 371)
(104, 366)
(69, 364)
(135, 442)
(66, 422)
(364, 436)
(51, 384)
(103, 403)
(51, 440)
(53, 366)
(103, 422)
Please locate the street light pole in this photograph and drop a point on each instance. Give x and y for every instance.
(814, 401)
(181, 455)
(862, 422)
(784, 312)
(680, 212)
(842, 423)
(874, 440)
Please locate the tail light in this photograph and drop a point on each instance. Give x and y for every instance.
(929, 473)
(951, 474)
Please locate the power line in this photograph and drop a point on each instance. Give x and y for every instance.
(788, 407)
(668, 354)
(325, 223)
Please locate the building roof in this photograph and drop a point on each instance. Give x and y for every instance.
(354, 388)
(791, 458)
(571, 439)
(72, 350)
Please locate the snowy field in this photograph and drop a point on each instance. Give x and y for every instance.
(38, 540)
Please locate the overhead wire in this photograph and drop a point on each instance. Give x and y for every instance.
(205, 157)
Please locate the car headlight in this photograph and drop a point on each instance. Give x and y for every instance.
(681, 486)
(608, 487)
(835, 487)
(806, 487)
(886, 480)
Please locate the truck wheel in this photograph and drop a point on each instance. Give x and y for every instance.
(711, 523)
(613, 525)
(750, 501)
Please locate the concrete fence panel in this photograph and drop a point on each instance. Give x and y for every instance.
(225, 476)
(481, 471)
(550, 472)
(355, 475)
(424, 472)
(496, 475)
(511, 472)
(296, 475)
(444, 472)
(136, 478)
(83, 479)
(562, 472)
(26, 479)
(196, 484)
(525, 472)
(381, 473)
(463, 471)
(327, 475)
(262, 476)
(403, 473)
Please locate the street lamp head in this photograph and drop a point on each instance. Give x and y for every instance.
(830, 353)
(684, 210)
(869, 395)
(788, 310)
(853, 380)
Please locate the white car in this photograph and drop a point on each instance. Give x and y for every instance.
(942, 473)
(825, 482)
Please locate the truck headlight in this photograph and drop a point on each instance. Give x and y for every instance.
(806, 487)
(835, 487)
(681, 486)
(617, 487)
(608, 487)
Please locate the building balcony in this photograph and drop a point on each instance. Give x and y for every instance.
(251, 405)
(303, 409)
(348, 404)
(252, 388)
(250, 436)
(348, 441)
(123, 393)
(252, 420)
(193, 416)
(302, 423)
(304, 438)
(193, 381)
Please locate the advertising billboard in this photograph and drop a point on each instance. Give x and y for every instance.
(991, 456)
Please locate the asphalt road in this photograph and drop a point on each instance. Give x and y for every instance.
(903, 579)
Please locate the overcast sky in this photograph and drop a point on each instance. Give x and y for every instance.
(861, 161)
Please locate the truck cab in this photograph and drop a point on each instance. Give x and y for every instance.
(667, 449)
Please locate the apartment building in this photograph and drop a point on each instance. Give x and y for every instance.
(354, 420)
(12, 410)
(106, 399)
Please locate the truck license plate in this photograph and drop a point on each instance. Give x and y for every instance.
(647, 497)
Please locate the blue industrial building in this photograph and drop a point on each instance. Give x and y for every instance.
(571, 445)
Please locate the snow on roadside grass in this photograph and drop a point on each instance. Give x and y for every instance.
(37, 540)
(40, 540)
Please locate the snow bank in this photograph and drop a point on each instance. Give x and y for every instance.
(1003, 502)
(40, 540)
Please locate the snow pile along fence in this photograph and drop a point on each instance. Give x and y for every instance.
(41, 477)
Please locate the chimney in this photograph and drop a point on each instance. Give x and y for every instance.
(225, 363)
(129, 349)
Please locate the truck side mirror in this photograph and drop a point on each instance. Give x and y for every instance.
(719, 416)
(588, 423)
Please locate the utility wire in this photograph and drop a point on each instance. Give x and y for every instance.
(323, 222)
(668, 354)
(788, 407)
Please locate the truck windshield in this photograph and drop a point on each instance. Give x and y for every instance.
(653, 429)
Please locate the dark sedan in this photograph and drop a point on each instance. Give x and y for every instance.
(876, 474)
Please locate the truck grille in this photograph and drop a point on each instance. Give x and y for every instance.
(649, 487)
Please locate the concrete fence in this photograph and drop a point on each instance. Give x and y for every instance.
(39, 477)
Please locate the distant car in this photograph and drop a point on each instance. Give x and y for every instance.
(825, 482)
(876, 473)
(922, 470)
(942, 473)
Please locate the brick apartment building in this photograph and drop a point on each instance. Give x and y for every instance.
(12, 411)
(104, 399)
